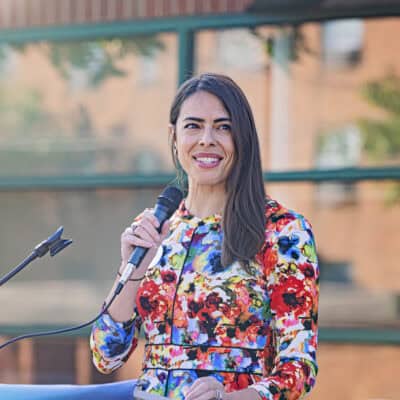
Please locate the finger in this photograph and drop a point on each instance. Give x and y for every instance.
(148, 214)
(143, 234)
(205, 395)
(136, 241)
(200, 386)
(208, 380)
(149, 228)
(203, 384)
(127, 231)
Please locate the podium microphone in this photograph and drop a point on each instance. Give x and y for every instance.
(167, 203)
(54, 243)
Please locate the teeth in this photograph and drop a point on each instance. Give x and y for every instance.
(207, 159)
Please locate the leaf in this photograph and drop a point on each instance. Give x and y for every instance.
(381, 138)
(99, 58)
(393, 194)
(384, 93)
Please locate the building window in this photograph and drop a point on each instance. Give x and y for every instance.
(8, 61)
(342, 42)
(335, 271)
(239, 49)
(148, 69)
(338, 149)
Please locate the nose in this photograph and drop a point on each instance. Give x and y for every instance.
(207, 138)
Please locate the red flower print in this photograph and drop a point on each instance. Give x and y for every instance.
(168, 276)
(282, 222)
(278, 222)
(233, 382)
(307, 269)
(212, 302)
(179, 313)
(290, 379)
(270, 260)
(150, 302)
(253, 331)
(195, 308)
(226, 310)
(269, 353)
(290, 295)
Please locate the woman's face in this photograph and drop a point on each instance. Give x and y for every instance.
(204, 142)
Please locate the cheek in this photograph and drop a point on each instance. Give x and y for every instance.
(230, 148)
(184, 145)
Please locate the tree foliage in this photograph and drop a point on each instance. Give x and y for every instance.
(99, 58)
(381, 137)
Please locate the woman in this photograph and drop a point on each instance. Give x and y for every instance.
(228, 303)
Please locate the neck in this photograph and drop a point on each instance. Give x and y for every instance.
(204, 201)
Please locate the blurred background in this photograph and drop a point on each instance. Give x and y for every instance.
(85, 90)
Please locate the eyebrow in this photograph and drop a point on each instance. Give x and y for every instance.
(222, 119)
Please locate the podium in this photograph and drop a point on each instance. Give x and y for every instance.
(125, 390)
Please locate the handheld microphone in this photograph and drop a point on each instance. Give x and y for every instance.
(167, 202)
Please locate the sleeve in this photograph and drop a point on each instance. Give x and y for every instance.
(291, 267)
(112, 342)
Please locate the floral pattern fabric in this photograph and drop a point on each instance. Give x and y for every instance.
(247, 326)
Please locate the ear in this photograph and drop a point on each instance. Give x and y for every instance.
(171, 133)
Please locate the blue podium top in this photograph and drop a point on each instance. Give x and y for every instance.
(110, 391)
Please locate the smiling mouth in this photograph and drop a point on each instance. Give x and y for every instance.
(207, 162)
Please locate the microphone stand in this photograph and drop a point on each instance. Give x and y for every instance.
(53, 243)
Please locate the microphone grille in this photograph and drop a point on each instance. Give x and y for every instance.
(171, 197)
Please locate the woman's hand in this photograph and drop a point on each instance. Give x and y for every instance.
(143, 232)
(207, 388)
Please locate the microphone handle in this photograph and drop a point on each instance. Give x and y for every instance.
(162, 213)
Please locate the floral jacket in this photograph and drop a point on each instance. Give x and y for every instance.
(254, 326)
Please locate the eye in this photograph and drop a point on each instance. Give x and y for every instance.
(225, 127)
(191, 125)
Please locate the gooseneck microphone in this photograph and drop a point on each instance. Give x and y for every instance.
(167, 203)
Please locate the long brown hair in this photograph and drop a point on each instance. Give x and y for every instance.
(244, 213)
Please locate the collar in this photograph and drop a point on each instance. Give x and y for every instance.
(184, 214)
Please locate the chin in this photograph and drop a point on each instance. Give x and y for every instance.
(208, 181)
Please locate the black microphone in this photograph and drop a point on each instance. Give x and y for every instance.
(167, 202)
